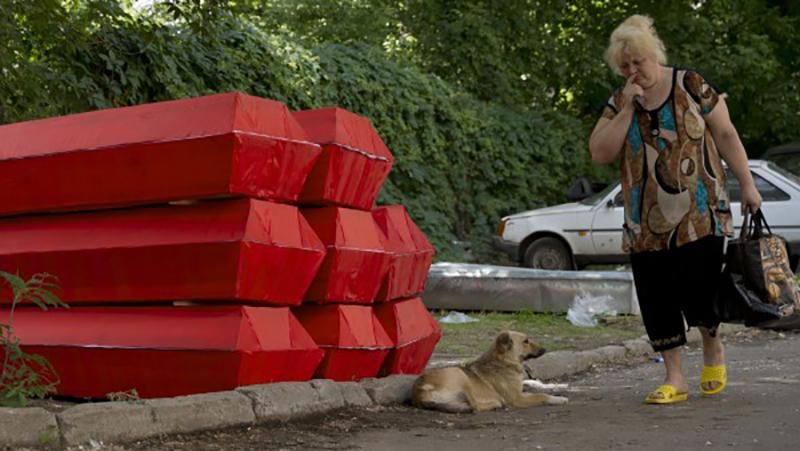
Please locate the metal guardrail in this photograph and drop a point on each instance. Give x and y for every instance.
(464, 286)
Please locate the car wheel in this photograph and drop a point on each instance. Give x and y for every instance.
(548, 253)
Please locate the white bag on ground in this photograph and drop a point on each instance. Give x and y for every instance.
(585, 307)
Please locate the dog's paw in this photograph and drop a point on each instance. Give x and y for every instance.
(557, 400)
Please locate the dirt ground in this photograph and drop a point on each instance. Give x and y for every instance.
(760, 410)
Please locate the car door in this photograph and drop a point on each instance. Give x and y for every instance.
(779, 203)
(606, 229)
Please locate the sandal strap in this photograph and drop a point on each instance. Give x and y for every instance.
(713, 373)
(667, 390)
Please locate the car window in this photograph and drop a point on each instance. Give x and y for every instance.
(795, 177)
(619, 201)
(597, 197)
(769, 192)
(787, 161)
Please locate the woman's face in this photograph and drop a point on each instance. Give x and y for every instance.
(645, 70)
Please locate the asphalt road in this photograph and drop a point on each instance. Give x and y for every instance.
(760, 410)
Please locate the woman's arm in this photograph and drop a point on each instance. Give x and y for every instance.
(732, 151)
(608, 135)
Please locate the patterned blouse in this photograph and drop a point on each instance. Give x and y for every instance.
(673, 182)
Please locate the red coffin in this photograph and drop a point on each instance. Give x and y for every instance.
(226, 144)
(356, 261)
(166, 351)
(233, 250)
(354, 162)
(411, 253)
(353, 339)
(414, 333)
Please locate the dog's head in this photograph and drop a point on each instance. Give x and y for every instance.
(517, 345)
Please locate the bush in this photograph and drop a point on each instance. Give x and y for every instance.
(461, 163)
(22, 375)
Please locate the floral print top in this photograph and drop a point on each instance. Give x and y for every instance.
(673, 181)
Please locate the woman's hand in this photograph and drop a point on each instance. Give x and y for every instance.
(751, 199)
(631, 91)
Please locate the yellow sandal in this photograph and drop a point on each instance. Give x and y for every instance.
(668, 395)
(717, 374)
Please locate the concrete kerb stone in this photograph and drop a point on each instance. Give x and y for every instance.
(612, 354)
(354, 394)
(560, 363)
(329, 394)
(395, 389)
(638, 347)
(283, 401)
(28, 426)
(107, 422)
(202, 412)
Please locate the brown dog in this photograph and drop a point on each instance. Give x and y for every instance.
(492, 381)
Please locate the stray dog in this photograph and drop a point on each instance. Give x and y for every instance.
(492, 381)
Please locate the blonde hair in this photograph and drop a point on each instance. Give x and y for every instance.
(637, 37)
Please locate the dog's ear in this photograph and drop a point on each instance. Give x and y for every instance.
(504, 342)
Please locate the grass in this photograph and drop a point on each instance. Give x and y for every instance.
(552, 331)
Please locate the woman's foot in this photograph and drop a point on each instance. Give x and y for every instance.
(666, 394)
(674, 377)
(713, 356)
(713, 376)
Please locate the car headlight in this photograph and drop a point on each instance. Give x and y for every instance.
(501, 227)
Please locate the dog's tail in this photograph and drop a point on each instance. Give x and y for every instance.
(426, 396)
(421, 392)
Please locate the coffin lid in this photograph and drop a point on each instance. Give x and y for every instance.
(398, 230)
(153, 122)
(228, 328)
(406, 321)
(344, 326)
(345, 227)
(213, 221)
(339, 126)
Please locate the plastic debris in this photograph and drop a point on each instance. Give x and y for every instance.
(457, 318)
(536, 384)
(586, 307)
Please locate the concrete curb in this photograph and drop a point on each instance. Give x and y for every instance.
(554, 365)
(119, 422)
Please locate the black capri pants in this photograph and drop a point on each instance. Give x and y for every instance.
(678, 283)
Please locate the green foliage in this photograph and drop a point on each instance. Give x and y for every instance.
(461, 163)
(551, 330)
(487, 109)
(22, 375)
(749, 50)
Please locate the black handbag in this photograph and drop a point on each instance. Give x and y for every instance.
(757, 284)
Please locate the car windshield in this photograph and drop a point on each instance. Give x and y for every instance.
(786, 172)
(594, 199)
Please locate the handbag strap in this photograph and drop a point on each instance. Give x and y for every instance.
(744, 232)
(758, 223)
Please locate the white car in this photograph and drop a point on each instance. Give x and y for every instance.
(573, 235)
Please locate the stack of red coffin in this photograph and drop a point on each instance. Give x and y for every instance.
(176, 232)
(362, 255)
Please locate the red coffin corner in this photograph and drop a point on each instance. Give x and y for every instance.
(225, 144)
(166, 351)
(354, 162)
(414, 333)
(238, 250)
(356, 261)
(353, 339)
(411, 254)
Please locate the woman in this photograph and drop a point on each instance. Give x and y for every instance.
(669, 127)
